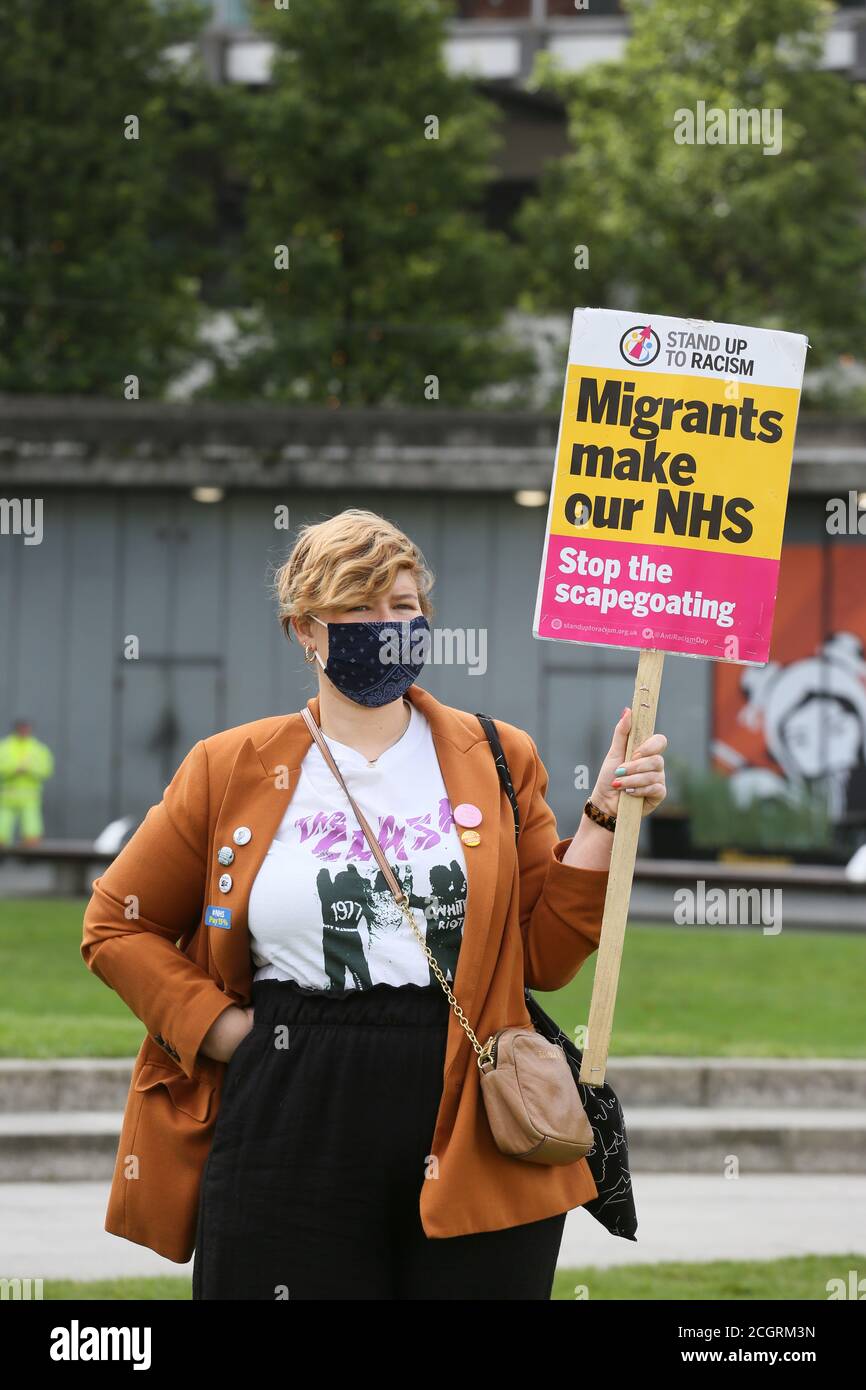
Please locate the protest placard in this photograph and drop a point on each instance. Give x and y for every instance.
(670, 485)
(664, 528)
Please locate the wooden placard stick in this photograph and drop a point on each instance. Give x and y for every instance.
(616, 903)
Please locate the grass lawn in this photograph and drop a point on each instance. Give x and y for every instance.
(800, 1277)
(684, 991)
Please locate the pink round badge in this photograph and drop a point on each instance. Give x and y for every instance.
(467, 814)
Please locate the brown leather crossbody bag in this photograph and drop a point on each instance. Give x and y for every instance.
(532, 1104)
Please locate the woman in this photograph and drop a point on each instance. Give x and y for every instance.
(344, 1152)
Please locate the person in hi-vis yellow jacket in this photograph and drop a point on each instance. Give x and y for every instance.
(25, 764)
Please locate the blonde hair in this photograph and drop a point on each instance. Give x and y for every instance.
(351, 558)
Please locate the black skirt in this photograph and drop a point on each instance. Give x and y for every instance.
(322, 1143)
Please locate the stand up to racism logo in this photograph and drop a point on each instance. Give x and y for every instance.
(640, 345)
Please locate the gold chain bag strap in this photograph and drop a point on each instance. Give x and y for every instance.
(532, 1104)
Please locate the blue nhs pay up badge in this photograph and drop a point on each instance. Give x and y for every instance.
(218, 917)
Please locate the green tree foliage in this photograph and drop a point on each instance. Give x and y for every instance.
(391, 276)
(101, 236)
(714, 231)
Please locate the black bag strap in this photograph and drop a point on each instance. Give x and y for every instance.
(502, 768)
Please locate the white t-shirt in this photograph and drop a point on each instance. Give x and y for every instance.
(320, 911)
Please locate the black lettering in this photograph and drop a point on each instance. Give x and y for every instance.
(597, 407)
(577, 509)
(643, 425)
(653, 468)
(671, 511)
(733, 507)
(772, 429)
(711, 514)
(695, 419)
(669, 408)
(627, 467)
(605, 513)
(682, 469)
(747, 415)
(585, 460)
(728, 413)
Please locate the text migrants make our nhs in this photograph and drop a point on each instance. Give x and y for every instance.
(682, 513)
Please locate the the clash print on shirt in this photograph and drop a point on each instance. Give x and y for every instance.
(320, 910)
(359, 914)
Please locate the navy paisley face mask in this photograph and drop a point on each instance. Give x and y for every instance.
(375, 662)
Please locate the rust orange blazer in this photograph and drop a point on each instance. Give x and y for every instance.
(534, 921)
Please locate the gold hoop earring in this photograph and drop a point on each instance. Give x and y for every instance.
(309, 654)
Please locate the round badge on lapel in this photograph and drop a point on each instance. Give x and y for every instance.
(467, 814)
(225, 883)
(471, 837)
(242, 835)
(226, 856)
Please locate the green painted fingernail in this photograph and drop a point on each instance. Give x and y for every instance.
(618, 771)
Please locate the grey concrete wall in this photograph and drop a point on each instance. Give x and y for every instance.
(82, 442)
(126, 551)
(190, 582)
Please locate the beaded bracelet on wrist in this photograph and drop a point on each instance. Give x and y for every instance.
(600, 817)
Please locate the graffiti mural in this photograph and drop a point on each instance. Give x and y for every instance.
(798, 725)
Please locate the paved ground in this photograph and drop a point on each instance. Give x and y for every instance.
(686, 1217)
(54, 1230)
